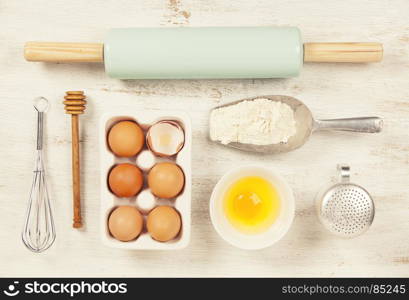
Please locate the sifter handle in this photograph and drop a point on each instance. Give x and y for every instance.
(343, 52)
(64, 52)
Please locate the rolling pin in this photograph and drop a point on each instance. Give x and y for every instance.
(212, 52)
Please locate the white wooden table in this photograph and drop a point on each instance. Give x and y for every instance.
(379, 162)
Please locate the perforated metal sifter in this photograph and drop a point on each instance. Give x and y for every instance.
(345, 209)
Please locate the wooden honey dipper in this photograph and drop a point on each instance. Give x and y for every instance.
(75, 105)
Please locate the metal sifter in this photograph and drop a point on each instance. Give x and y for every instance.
(345, 209)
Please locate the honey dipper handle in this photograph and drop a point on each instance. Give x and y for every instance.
(64, 52)
(76, 172)
(343, 52)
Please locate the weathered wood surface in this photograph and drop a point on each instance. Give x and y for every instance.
(379, 162)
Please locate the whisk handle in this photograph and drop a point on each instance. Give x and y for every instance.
(40, 122)
(363, 124)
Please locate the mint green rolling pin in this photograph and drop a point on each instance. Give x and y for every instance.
(213, 52)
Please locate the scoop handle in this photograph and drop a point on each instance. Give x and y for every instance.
(343, 52)
(364, 124)
(64, 52)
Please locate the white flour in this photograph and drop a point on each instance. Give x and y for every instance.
(257, 122)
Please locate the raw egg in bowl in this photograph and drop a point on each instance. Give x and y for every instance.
(252, 207)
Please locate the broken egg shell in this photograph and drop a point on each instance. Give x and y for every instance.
(165, 138)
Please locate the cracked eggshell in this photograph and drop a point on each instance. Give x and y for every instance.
(165, 138)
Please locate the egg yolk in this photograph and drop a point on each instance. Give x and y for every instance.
(251, 204)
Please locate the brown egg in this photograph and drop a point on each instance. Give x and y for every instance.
(125, 223)
(126, 138)
(163, 223)
(125, 180)
(166, 180)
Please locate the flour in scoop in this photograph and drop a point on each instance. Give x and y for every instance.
(258, 122)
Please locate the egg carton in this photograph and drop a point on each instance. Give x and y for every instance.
(109, 201)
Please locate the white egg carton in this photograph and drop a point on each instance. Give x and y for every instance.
(109, 201)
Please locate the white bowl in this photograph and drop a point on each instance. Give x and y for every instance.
(252, 241)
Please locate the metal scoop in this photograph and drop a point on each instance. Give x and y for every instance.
(305, 126)
(345, 209)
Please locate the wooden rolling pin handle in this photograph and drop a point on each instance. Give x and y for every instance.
(343, 52)
(64, 52)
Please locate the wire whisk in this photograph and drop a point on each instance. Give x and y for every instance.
(39, 230)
